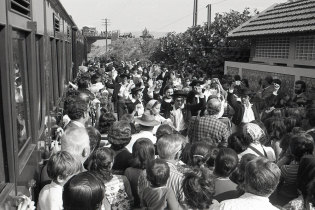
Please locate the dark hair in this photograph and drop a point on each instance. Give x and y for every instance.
(300, 146)
(237, 77)
(167, 87)
(83, 191)
(225, 162)
(200, 153)
(238, 142)
(277, 129)
(162, 130)
(269, 79)
(142, 152)
(95, 137)
(101, 162)
(277, 81)
(106, 120)
(76, 108)
(198, 188)
(291, 122)
(261, 176)
(237, 176)
(285, 141)
(83, 83)
(158, 172)
(302, 83)
(62, 164)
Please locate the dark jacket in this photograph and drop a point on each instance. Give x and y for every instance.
(239, 110)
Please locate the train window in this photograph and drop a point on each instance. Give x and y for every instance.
(54, 58)
(40, 82)
(20, 72)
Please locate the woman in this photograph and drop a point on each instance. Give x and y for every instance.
(142, 152)
(117, 187)
(254, 135)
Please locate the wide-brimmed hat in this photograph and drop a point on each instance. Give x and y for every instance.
(179, 93)
(124, 75)
(147, 120)
(136, 89)
(245, 92)
(196, 82)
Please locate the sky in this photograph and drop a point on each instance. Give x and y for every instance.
(155, 15)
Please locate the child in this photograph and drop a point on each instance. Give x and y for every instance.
(117, 188)
(158, 196)
(60, 168)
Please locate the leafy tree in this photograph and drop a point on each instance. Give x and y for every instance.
(203, 47)
(132, 49)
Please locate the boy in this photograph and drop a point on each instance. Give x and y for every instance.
(60, 168)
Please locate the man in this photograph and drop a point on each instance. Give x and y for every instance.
(209, 127)
(77, 109)
(181, 112)
(169, 148)
(261, 179)
(300, 97)
(147, 123)
(194, 96)
(244, 111)
(76, 141)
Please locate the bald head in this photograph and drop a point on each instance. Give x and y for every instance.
(76, 142)
(214, 106)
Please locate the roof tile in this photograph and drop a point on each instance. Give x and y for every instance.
(297, 16)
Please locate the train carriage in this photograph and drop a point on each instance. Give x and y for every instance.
(40, 49)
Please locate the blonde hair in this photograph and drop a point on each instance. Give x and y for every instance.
(169, 145)
(74, 141)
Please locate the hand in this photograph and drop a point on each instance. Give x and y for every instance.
(27, 204)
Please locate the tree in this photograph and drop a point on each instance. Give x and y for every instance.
(203, 47)
(132, 49)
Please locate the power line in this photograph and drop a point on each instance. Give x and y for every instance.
(219, 2)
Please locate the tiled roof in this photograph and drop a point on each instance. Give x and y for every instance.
(289, 17)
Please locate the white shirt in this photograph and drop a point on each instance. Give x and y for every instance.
(247, 201)
(178, 119)
(248, 114)
(79, 124)
(141, 134)
(269, 151)
(50, 197)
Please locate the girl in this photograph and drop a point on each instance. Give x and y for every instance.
(142, 152)
(117, 187)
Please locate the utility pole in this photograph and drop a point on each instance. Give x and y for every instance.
(209, 16)
(195, 13)
(106, 23)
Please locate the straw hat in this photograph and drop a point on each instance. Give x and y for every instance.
(147, 120)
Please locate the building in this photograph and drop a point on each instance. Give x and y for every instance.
(282, 44)
(89, 31)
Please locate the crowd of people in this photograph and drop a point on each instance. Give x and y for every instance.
(135, 136)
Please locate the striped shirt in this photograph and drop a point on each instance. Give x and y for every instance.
(174, 182)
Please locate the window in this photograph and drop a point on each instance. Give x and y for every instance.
(40, 78)
(305, 48)
(54, 70)
(21, 100)
(56, 24)
(272, 47)
(22, 7)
